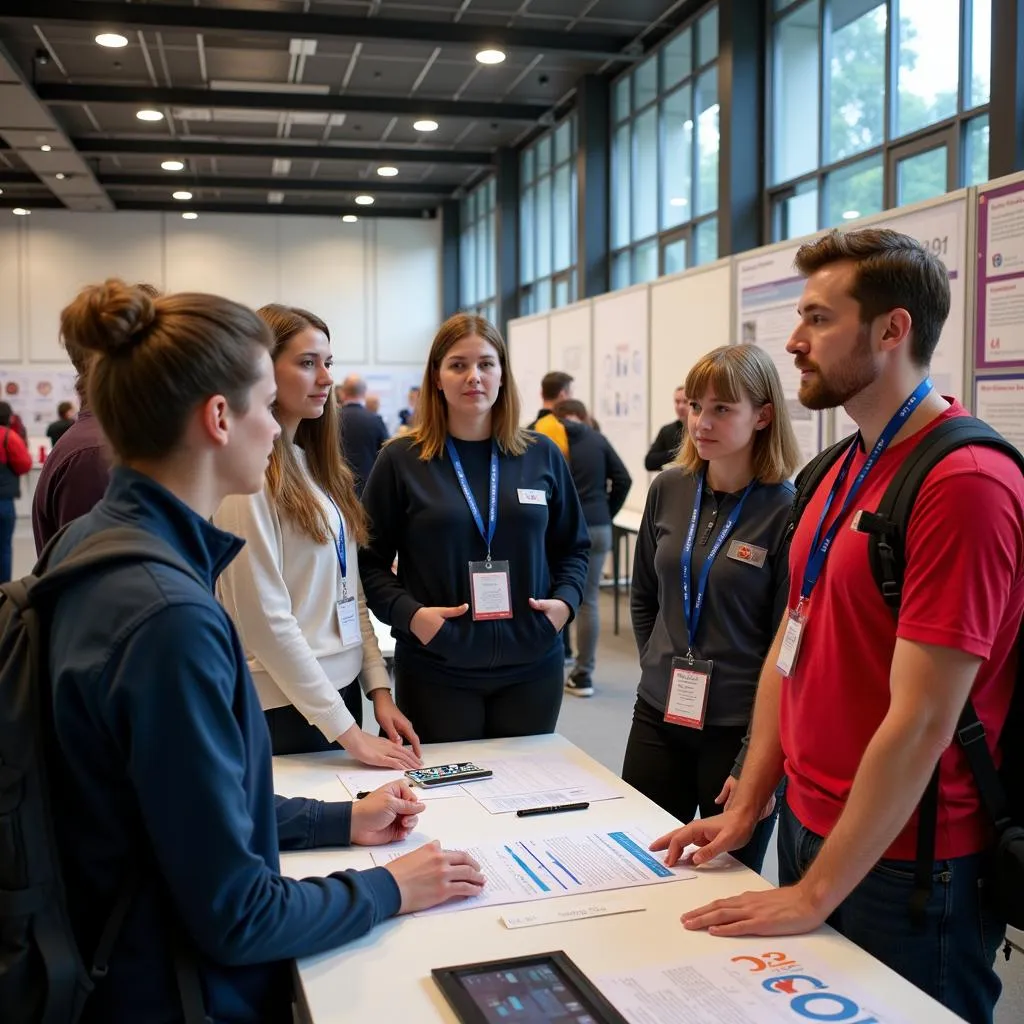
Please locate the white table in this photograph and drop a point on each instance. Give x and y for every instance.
(385, 976)
(625, 525)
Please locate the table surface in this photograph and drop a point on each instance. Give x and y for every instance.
(386, 974)
(628, 521)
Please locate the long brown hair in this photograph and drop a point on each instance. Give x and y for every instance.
(732, 373)
(320, 439)
(431, 423)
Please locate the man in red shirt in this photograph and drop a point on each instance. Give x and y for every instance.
(861, 712)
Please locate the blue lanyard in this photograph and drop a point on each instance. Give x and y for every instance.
(692, 607)
(820, 548)
(492, 497)
(339, 543)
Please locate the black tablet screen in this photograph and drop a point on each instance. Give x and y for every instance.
(527, 994)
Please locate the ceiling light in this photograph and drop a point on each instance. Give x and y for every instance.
(114, 40)
(275, 197)
(172, 165)
(426, 125)
(181, 195)
(490, 56)
(1, 191)
(851, 214)
(364, 200)
(349, 218)
(387, 172)
(20, 211)
(60, 175)
(150, 115)
(45, 148)
(281, 167)
(190, 216)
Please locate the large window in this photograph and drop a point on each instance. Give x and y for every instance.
(665, 147)
(478, 291)
(874, 104)
(547, 221)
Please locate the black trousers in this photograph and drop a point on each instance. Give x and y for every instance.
(290, 733)
(525, 706)
(683, 770)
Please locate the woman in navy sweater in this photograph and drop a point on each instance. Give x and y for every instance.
(491, 544)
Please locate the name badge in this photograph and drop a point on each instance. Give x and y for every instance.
(688, 692)
(490, 590)
(348, 622)
(790, 649)
(529, 496)
(741, 551)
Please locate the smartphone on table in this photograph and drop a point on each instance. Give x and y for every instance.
(447, 774)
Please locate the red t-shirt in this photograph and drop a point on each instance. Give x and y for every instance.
(963, 588)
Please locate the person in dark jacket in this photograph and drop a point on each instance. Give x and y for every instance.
(363, 433)
(491, 544)
(602, 482)
(164, 769)
(63, 423)
(15, 462)
(666, 445)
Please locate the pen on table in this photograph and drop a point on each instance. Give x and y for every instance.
(529, 812)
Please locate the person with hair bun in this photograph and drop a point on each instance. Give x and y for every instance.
(294, 589)
(160, 766)
(491, 544)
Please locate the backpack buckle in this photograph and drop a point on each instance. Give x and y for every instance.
(971, 733)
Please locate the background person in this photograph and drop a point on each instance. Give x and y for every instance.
(666, 445)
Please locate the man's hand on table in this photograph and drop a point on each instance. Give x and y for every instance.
(387, 815)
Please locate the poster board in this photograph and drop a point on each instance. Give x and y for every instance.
(621, 349)
(571, 348)
(999, 316)
(35, 394)
(529, 356)
(999, 401)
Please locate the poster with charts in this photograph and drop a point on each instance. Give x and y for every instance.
(999, 401)
(999, 337)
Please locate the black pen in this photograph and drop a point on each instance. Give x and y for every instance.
(365, 792)
(529, 812)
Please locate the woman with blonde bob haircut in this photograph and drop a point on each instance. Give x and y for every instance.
(491, 545)
(710, 581)
(294, 590)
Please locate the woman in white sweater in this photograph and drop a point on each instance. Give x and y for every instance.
(294, 591)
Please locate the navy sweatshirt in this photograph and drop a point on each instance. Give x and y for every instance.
(165, 768)
(417, 511)
(601, 477)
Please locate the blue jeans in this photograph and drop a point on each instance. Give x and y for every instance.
(950, 955)
(8, 518)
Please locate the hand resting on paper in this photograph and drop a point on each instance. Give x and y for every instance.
(430, 876)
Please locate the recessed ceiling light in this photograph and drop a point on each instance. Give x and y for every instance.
(851, 214)
(173, 165)
(190, 216)
(181, 195)
(112, 39)
(1, 191)
(387, 172)
(60, 175)
(426, 125)
(150, 115)
(349, 218)
(20, 211)
(45, 148)
(364, 200)
(490, 56)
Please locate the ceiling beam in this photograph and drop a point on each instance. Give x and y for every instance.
(113, 16)
(168, 147)
(172, 182)
(411, 213)
(253, 99)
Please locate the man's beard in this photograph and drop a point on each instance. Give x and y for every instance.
(843, 382)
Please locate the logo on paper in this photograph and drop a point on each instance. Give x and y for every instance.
(997, 260)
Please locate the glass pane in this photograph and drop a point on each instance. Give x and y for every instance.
(542, 296)
(674, 256)
(562, 292)
(561, 218)
(620, 188)
(526, 229)
(544, 155)
(707, 242)
(621, 270)
(563, 141)
(622, 106)
(527, 169)
(922, 176)
(492, 227)
(976, 168)
(706, 105)
(707, 37)
(492, 193)
(856, 118)
(796, 215)
(979, 72)
(543, 254)
(645, 262)
(484, 260)
(467, 268)
(526, 302)
(929, 59)
(853, 192)
(645, 177)
(676, 59)
(645, 83)
(677, 158)
(796, 95)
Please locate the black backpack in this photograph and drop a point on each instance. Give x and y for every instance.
(1002, 790)
(43, 977)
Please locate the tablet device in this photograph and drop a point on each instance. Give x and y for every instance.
(447, 774)
(524, 990)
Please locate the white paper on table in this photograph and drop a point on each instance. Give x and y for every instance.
(549, 798)
(530, 777)
(771, 981)
(359, 780)
(520, 870)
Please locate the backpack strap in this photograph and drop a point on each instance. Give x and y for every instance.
(808, 479)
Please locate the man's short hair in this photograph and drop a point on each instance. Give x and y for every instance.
(891, 271)
(553, 384)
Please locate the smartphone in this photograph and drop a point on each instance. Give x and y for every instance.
(447, 774)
